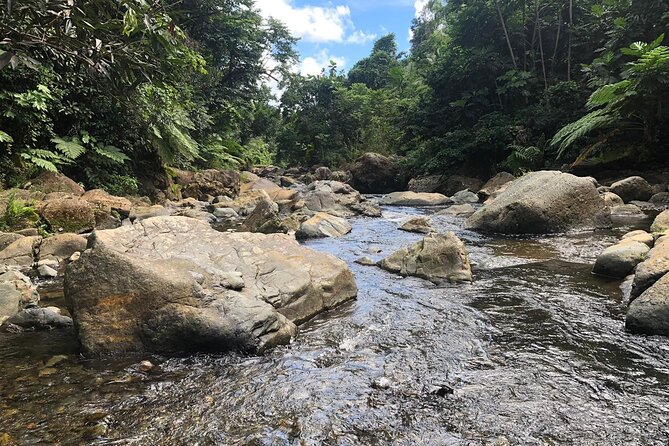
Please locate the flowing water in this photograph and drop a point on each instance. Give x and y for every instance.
(534, 352)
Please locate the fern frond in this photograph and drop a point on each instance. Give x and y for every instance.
(595, 120)
(608, 93)
(113, 153)
(70, 149)
(4, 137)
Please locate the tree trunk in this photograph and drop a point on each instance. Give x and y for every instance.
(541, 46)
(571, 32)
(506, 35)
(557, 41)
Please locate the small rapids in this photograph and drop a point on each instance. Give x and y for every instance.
(534, 352)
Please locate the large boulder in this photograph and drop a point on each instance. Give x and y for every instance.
(427, 183)
(649, 313)
(49, 182)
(373, 173)
(61, 247)
(16, 291)
(409, 198)
(611, 199)
(660, 200)
(20, 253)
(421, 225)
(465, 196)
(323, 225)
(454, 183)
(107, 202)
(70, 214)
(7, 238)
(543, 202)
(208, 183)
(632, 188)
(338, 199)
(620, 259)
(437, 257)
(494, 184)
(264, 218)
(170, 284)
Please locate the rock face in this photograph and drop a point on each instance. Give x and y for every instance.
(649, 313)
(415, 199)
(438, 258)
(171, 284)
(620, 259)
(632, 188)
(375, 174)
(494, 184)
(420, 225)
(323, 225)
(209, 182)
(543, 202)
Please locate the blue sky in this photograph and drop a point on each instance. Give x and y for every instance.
(341, 30)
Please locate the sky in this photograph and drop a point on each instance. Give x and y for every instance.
(341, 30)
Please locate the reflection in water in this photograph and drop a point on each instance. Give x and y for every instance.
(533, 352)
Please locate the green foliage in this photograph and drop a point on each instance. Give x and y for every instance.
(17, 215)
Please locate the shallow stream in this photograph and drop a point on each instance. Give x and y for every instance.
(534, 352)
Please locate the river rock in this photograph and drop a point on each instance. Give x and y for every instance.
(494, 184)
(632, 188)
(143, 212)
(649, 313)
(640, 236)
(543, 202)
(619, 260)
(465, 196)
(660, 200)
(20, 253)
(323, 225)
(661, 222)
(16, 291)
(420, 225)
(612, 199)
(338, 199)
(655, 265)
(454, 183)
(162, 285)
(428, 183)
(7, 238)
(210, 182)
(458, 210)
(61, 246)
(225, 213)
(49, 182)
(365, 261)
(35, 319)
(627, 210)
(264, 218)
(107, 202)
(323, 173)
(69, 214)
(373, 173)
(437, 257)
(415, 199)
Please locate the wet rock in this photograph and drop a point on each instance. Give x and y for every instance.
(458, 210)
(20, 253)
(323, 225)
(69, 215)
(438, 258)
(159, 285)
(649, 313)
(632, 188)
(661, 222)
(645, 206)
(619, 260)
(365, 261)
(612, 199)
(415, 199)
(640, 236)
(420, 225)
(10, 300)
(211, 182)
(36, 319)
(465, 196)
(49, 182)
(367, 209)
(373, 173)
(543, 202)
(655, 265)
(494, 184)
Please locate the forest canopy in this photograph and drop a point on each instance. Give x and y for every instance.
(109, 91)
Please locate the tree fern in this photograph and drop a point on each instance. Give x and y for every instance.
(71, 149)
(4, 137)
(595, 120)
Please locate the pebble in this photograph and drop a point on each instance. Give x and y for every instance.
(145, 366)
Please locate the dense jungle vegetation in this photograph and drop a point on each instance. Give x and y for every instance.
(113, 91)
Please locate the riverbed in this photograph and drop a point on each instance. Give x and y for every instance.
(533, 352)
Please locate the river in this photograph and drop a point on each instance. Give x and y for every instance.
(534, 352)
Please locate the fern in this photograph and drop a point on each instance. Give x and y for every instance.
(4, 137)
(17, 215)
(112, 153)
(71, 149)
(595, 120)
(608, 93)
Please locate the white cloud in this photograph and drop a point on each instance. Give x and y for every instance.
(420, 5)
(311, 23)
(313, 65)
(360, 37)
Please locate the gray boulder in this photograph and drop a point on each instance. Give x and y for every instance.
(323, 225)
(419, 225)
(20, 253)
(437, 257)
(661, 222)
(655, 265)
(612, 199)
(465, 196)
(264, 218)
(35, 319)
(16, 291)
(458, 210)
(660, 200)
(494, 184)
(632, 188)
(543, 202)
(649, 313)
(338, 199)
(169, 284)
(373, 173)
(619, 260)
(409, 198)
(428, 183)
